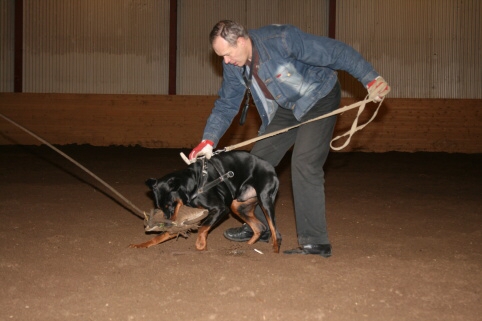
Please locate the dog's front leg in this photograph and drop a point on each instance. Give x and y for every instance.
(156, 240)
(201, 241)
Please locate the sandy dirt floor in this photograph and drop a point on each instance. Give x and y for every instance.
(406, 233)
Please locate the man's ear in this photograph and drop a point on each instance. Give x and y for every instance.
(241, 41)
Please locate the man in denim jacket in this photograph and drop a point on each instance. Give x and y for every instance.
(292, 77)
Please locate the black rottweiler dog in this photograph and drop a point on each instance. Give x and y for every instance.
(229, 182)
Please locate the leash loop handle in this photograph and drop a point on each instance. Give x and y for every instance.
(354, 126)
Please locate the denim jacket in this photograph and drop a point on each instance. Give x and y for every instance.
(297, 68)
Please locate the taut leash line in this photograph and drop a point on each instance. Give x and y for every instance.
(353, 130)
(135, 208)
(354, 127)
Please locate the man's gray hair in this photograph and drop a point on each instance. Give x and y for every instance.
(229, 31)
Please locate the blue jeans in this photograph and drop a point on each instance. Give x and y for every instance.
(311, 145)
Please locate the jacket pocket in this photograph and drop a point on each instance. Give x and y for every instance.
(290, 81)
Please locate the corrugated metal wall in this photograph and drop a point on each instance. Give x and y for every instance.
(7, 21)
(425, 49)
(109, 46)
(199, 69)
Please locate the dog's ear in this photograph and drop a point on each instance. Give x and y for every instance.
(173, 183)
(151, 183)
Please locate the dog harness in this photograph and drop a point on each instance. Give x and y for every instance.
(203, 185)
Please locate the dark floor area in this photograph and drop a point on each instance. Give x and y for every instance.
(405, 229)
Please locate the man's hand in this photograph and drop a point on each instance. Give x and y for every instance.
(205, 148)
(378, 89)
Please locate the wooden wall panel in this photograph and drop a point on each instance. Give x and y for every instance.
(158, 121)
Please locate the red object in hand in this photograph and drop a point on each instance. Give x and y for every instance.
(378, 88)
(205, 148)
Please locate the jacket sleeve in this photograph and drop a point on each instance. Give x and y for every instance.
(327, 52)
(226, 106)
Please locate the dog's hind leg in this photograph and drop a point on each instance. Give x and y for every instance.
(267, 205)
(156, 240)
(245, 211)
(275, 235)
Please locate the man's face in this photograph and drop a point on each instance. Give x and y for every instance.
(236, 55)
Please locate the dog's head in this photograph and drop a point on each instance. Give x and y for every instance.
(167, 194)
(170, 194)
(167, 202)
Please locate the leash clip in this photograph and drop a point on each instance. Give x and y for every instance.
(219, 151)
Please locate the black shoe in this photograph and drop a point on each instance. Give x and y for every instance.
(244, 233)
(319, 249)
